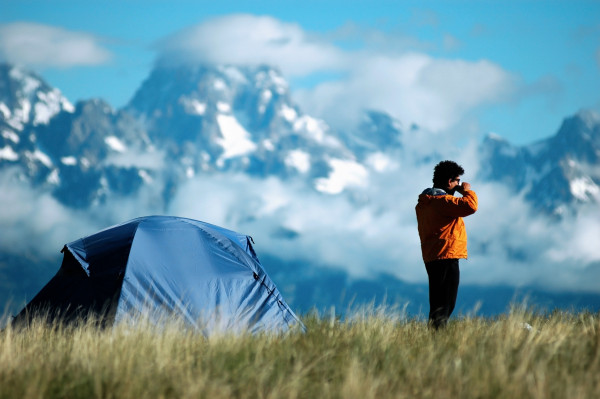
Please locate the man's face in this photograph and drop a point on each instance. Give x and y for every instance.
(452, 185)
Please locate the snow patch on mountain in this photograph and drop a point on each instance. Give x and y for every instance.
(10, 135)
(50, 104)
(145, 176)
(53, 178)
(69, 161)
(584, 189)
(20, 116)
(43, 158)
(4, 110)
(8, 154)
(115, 144)
(192, 106)
(29, 83)
(29, 99)
(266, 95)
(235, 140)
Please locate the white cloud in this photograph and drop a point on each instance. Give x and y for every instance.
(372, 231)
(39, 45)
(508, 242)
(36, 223)
(583, 231)
(331, 229)
(249, 39)
(415, 88)
(33, 221)
(380, 74)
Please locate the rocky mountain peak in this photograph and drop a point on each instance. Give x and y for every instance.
(220, 118)
(25, 98)
(579, 138)
(194, 89)
(556, 173)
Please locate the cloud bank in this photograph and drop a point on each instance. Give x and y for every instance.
(508, 242)
(41, 46)
(249, 39)
(370, 231)
(380, 72)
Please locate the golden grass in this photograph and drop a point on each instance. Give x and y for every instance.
(372, 354)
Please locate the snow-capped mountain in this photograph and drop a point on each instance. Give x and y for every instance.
(198, 119)
(26, 99)
(238, 118)
(26, 102)
(213, 119)
(186, 125)
(556, 174)
(71, 151)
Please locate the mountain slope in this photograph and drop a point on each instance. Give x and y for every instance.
(556, 174)
(234, 118)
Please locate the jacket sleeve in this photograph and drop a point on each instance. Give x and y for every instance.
(459, 206)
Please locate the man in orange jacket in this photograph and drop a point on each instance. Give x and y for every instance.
(443, 236)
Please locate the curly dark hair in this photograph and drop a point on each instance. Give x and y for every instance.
(445, 171)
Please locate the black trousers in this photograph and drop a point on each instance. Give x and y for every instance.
(444, 276)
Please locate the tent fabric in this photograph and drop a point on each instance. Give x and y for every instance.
(164, 266)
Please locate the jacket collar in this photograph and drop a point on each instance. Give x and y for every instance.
(434, 191)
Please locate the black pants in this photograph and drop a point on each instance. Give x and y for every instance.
(444, 276)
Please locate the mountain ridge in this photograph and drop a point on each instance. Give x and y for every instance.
(224, 120)
(554, 172)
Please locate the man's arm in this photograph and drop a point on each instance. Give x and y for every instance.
(461, 207)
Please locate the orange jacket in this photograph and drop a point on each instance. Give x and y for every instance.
(441, 227)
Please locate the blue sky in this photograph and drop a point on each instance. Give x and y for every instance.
(465, 68)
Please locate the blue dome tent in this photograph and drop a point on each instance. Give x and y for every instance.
(159, 266)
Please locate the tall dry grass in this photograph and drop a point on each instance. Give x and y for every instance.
(372, 354)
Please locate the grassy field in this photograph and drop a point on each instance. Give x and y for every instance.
(372, 354)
